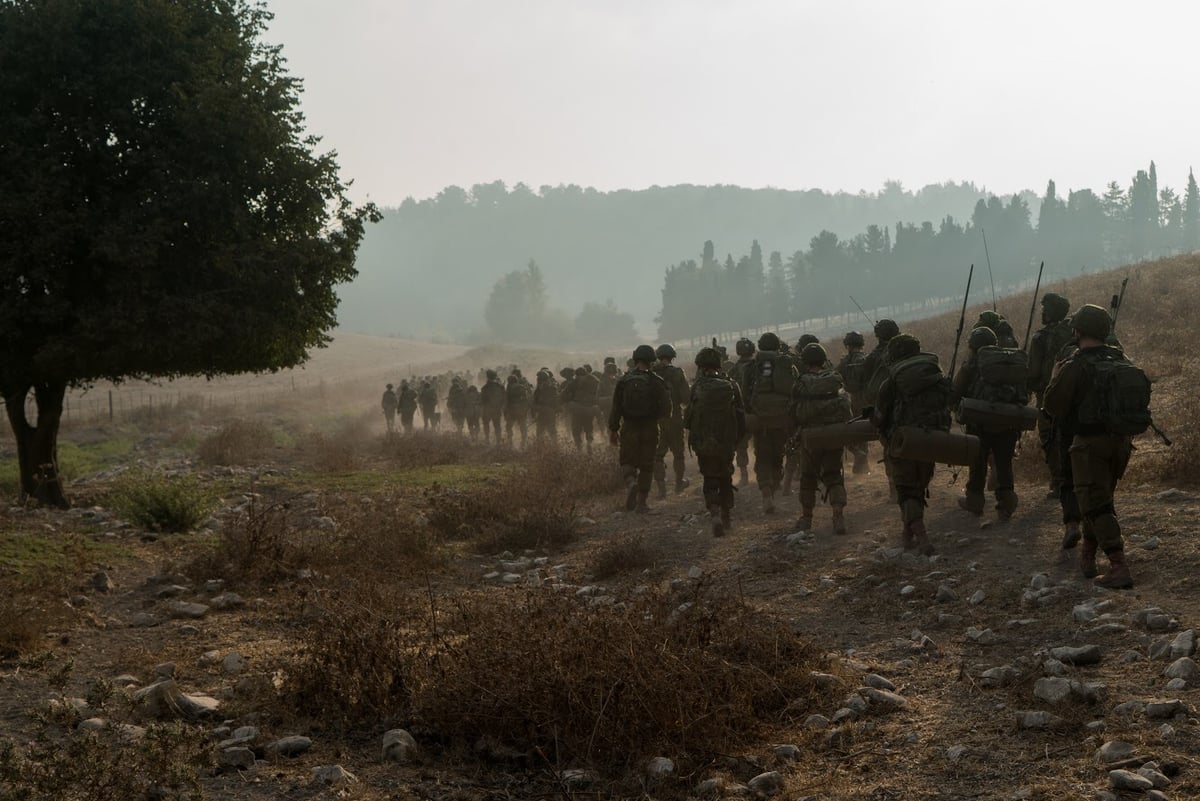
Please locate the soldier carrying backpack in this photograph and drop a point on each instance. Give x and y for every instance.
(640, 400)
(1044, 346)
(715, 422)
(770, 378)
(819, 400)
(852, 369)
(1100, 400)
(996, 375)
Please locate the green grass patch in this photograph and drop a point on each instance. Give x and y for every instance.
(34, 555)
(74, 461)
(416, 478)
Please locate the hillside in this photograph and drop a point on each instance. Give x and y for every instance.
(536, 642)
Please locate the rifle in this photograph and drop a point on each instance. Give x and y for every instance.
(987, 255)
(864, 314)
(962, 320)
(1166, 440)
(1033, 305)
(1115, 304)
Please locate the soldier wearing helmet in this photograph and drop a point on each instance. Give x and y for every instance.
(581, 405)
(1045, 346)
(491, 405)
(850, 368)
(820, 400)
(715, 422)
(741, 372)
(1098, 457)
(670, 435)
(389, 409)
(545, 406)
(640, 400)
(604, 392)
(769, 399)
(875, 372)
(406, 404)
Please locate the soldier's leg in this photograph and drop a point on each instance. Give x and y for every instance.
(887, 468)
(974, 500)
(1048, 439)
(833, 476)
(1097, 464)
(660, 458)
(627, 456)
(1071, 516)
(647, 442)
(589, 434)
(576, 430)
(810, 471)
(679, 462)
(912, 481)
(1004, 447)
(742, 455)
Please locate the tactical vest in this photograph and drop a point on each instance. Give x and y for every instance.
(638, 398)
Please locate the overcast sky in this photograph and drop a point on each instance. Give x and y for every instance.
(795, 94)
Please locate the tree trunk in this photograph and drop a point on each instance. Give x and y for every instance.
(37, 445)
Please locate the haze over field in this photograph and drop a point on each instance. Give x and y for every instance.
(418, 97)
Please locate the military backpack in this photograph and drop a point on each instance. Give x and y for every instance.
(712, 416)
(638, 398)
(852, 371)
(922, 393)
(1118, 399)
(1003, 375)
(587, 387)
(773, 380)
(820, 400)
(516, 393)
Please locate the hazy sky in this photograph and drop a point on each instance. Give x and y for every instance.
(838, 94)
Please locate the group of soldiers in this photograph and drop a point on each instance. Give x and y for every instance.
(803, 415)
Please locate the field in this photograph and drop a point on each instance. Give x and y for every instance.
(296, 574)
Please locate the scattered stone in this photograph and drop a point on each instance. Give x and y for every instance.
(945, 594)
(1150, 771)
(884, 698)
(984, 637)
(767, 784)
(878, 682)
(842, 715)
(1184, 644)
(209, 658)
(233, 663)
(977, 598)
(1141, 617)
(125, 680)
(102, 583)
(1127, 780)
(1129, 709)
(1052, 690)
(183, 609)
(1151, 544)
(998, 676)
(856, 702)
(172, 591)
(787, 753)
(956, 752)
(1108, 628)
(143, 620)
(165, 699)
(816, 722)
(166, 670)
(92, 724)
(1081, 655)
(711, 788)
(239, 758)
(1131, 656)
(188, 630)
(907, 590)
(577, 777)
(1173, 495)
(510, 578)
(660, 768)
(1183, 668)
(825, 681)
(695, 573)
(1156, 710)
(400, 746)
(291, 746)
(1166, 731)
(1160, 650)
(1040, 581)
(1084, 614)
(948, 620)
(1052, 667)
(1114, 751)
(229, 600)
(214, 586)
(333, 776)
(1037, 719)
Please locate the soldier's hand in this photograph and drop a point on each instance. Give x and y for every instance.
(614, 438)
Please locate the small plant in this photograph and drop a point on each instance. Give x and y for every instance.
(164, 504)
(237, 442)
(623, 555)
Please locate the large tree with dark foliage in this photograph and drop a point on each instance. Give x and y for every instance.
(163, 211)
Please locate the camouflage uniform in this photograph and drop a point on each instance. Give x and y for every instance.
(545, 407)
(491, 401)
(456, 404)
(819, 400)
(997, 446)
(406, 403)
(583, 407)
(516, 408)
(473, 411)
(428, 399)
(638, 436)
(741, 372)
(604, 393)
(875, 372)
(388, 403)
(1044, 349)
(713, 440)
(772, 429)
(851, 368)
(670, 434)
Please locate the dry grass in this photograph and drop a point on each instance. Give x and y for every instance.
(623, 555)
(238, 442)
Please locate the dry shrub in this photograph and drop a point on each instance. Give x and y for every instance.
(259, 543)
(549, 674)
(238, 442)
(425, 449)
(623, 555)
(341, 450)
(24, 620)
(378, 537)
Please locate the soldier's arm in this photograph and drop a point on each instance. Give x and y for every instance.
(1064, 386)
(739, 410)
(964, 378)
(882, 416)
(664, 399)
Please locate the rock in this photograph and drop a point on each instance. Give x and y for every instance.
(711, 788)
(695, 573)
(400, 746)
(945, 594)
(825, 681)
(1127, 780)
(1037, 719)
(1052, 690)
(984, 637)
(998, 676)
(229, 600)
(1156, 710)
(165, 699)
(510, 578)
(1129, 709)
(1184, 644)
(333, 776)
(1113, 751)
(190, 611)
(944, 619)
(125, 680)
(213, 586)
(1158, 622)
(1141, 616)
(1040, 581)
(842, 715)
(209, 658)
(291, 746)
(787, 753)
(1160, 650)
(92, 724)
(1052, 667)
(1082, 655)
(660, 768)
(143, 620)
(907, 590)
(1166, 731)
(1151, 544)
(878, 682)
(188, 630)
(577, 777)
(1084, 614)
(166, 670)
(1131, 656)
(977, 598)
(233, 663)
(172, 591)
(883, 698)
(1182, 668)
(816, 722)
(102, 583)
(955, 752)
(238, 758)
(1172, 495)
(1150, 771)
(767, 784)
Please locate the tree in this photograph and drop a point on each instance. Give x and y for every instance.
(604, 324)
(164, 212)
(1191, 214)
(516, 307)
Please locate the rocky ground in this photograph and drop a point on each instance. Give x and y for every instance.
(988, 670)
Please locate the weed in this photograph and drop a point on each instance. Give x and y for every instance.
(623, 555)
(161, 503)
(238, 442)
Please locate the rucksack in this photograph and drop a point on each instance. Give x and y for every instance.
(922, 393)
(638, 399)
(516, 393)
(820, 400)
(1003, 375)
(1118, 399)
(545, 394)
(586, 388)
(851, 370)
(773, 380)
(712, 421)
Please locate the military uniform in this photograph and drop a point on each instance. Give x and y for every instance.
(716, 422)
(769, 400)
(428, 399)
(456, 404)
(851, 369)
(819, 400)
(741, 373)
(604, 392)
(874, 373)
(545, 408)
(472, 411)
(516, 408)
(670, 433)
(997, 446)
(491, 401)
(638, 435)
(388, 402)
(406, 404)
(1044, 349)
(582, 407)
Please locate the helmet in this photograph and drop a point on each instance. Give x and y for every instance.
(902, 346)
(1055, 307)
(744, 347)
(516, 372)
(643, 353)
(814, 354)
(885, 329)
(1092, 321)
(492, 375)
(566, 372)
(853, 339)
(708, 358)
(610, 368)
(587, 368)
(579, 371)
(981, 337)
(389, 386)
(610, 360)
(665, 352)
(768, 341)
(1003, 328)
(988, 319)
(805, 339)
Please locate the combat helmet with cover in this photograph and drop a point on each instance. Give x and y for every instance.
(643, 353)
(981, 337)
(744, 348)
(854, 339)
(1054, 308)
(665, 351)
(886, 329)
(1093, 321)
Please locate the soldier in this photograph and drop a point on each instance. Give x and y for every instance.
(456, 404)
(670, 437)
(995, 374)
(583, 408)
(915, 393)
(741, 372)
(1080, 399)
(771, 379)
(406, 403)
(428, 399)
(491, 402)
(545, 406)
(1044, 347)
(389, 409)
(850, 368)
(472, 411)
(819, 400)
(875, 372)
(516, 407)
(604, 392)
(640, 400)
(716, 422)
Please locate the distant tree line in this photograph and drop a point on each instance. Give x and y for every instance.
(910, 262)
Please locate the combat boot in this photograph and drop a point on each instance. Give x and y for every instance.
(921, 538)
(971, 502)
(641, 507)
(1006, 504)
(631, 493)
(661, 484)
(805, 521)
(839, 520)
(745, 479)
(768, 502)
(1087, 558)
(1117, 577)
(681, 484)
(1071, 537)
(906, 538)
(717, 524)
